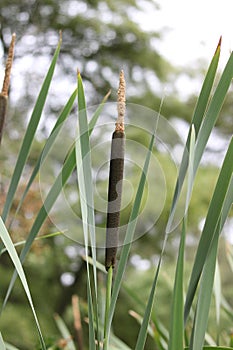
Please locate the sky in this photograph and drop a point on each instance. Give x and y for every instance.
(194, 29)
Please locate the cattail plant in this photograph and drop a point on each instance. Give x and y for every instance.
(115, 179)
(5, 86)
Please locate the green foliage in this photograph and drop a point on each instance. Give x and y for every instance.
(188, 327)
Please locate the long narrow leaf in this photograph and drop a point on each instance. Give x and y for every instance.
(212, 219)
(63, 116)
(205, 294)
(227, 203)
(177, 322)
(18, 266)
(29, 135)
(49, 235)
(217, 295)
(2, 344)
(63, 176)
(176, 335)
(85, 163)
(143, 330)
(82, 150)
(197, 118)
(213, 110)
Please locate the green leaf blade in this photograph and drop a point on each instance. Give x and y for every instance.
(205, 294)
(212, 219)
(29, 135)
(176, 333)
(5, 237)
(198, 115)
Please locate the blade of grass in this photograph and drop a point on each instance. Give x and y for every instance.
(85, 163)
(2, 344)
(84, 175)
(63, 116)
(176, 335)
(53, 194)
(107, 305)
(129, 235)
(213, 110)
(176, 340)
(5, 237)
(217, 294)
(205, 294)
(63, 176)
(227, 203)
(29, 135)
(197, 118)
(143, 330)
(212, 219)
(64, 332)
(177, 322)
(36, 239)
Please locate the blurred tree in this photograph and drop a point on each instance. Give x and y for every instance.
(99, 38)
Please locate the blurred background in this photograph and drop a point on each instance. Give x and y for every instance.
(164, 49)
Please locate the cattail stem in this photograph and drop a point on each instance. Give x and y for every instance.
(115, 180)
(3, 108)
(5, 86)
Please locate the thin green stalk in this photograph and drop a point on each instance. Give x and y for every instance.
(49, 235)
(107, 307)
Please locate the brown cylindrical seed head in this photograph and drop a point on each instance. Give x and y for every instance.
(114, 197)
(115, 179)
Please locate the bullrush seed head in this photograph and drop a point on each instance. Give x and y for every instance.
(115, 180)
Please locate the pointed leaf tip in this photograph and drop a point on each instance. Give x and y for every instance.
(219, 44)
